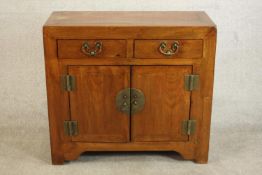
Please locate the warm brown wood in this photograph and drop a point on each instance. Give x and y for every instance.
(140, 32)
(92, 104)
(74, 149)
(150, 49)
(129, 25)
(129, 61)
(110, 48)
(130, 58)
(167, 103)
(207, 73)
(57, 100)
(130, 18)
(130, 48)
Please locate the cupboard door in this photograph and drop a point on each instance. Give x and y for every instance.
(93, 105)
(167, 103)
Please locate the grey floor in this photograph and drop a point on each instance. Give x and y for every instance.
(233, 150)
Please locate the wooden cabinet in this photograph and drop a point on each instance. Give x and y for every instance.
(129, 81)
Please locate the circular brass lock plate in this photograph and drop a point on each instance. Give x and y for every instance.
(123, 101)
(130, 100)
(137, 100)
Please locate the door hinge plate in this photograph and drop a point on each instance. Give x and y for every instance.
(70, 128)
(189, 127)
(68, 82)
(191, 82)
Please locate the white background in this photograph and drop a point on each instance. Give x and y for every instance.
(237, 102)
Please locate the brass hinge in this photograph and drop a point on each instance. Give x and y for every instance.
(70, 128)
(189, 127)
(191, 82)
(68, 82)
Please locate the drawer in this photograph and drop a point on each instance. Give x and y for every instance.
(168, 48)
(91, 48)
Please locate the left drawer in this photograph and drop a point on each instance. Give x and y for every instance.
(74, 49)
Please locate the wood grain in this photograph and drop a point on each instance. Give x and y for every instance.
(130, 48)
(167, 103)
(129, 18)
(207, 82)
(150, 49)
(75, 149)
(120, 32)
(130, 61)
(57, 100)
(92, 104)
(126, 62)
(110, 48)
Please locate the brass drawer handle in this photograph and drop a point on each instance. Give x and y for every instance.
(88, 51)
(169, 52)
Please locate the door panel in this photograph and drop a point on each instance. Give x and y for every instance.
(93, 104)
(167, 103)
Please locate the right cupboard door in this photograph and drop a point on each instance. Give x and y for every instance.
(167, 103)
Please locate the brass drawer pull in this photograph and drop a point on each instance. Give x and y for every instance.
(88, 51)
(169, 52)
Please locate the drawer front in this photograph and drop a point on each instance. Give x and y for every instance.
(168, 48)
(91, 48)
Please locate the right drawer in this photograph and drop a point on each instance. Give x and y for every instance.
(168, 48)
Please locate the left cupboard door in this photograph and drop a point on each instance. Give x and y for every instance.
(93, 103)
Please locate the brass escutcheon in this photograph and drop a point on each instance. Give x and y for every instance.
(123, 101)
(130, 100)
(137, 100)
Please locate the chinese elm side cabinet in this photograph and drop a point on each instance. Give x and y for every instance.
(129, 81)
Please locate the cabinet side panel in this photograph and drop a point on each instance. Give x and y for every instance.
(56, 99)
(207, 79)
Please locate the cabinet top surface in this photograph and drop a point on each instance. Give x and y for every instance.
(130, 19)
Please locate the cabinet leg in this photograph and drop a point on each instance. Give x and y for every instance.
(57, 160)
(186, 155)
(203, 159)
